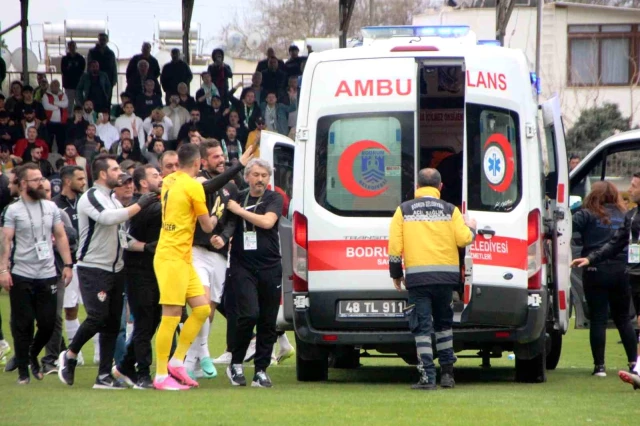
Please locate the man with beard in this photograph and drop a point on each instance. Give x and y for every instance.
(89, 146)
(74, 181)
(28, 102)
(142, 287)
(256, 273)
(44, 165)
(29, 119)
(130, 121)
(30, 274)
(88, 112)
(210, 254)
(128, 153)
(102, 240)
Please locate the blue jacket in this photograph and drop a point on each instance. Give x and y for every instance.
(282, 116)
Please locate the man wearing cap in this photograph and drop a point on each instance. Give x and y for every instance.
(293, 66)
(28, 102)
(30, 119)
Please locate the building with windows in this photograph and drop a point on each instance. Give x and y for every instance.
(590, 53)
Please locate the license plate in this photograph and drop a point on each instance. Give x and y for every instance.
(371, 308)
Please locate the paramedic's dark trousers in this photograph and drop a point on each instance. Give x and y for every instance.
(56, 342)
(144, 296)
(256, 295)
(31, 299)
(102, 293)
(432, 312)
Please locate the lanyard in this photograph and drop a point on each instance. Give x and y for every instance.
(247, 114)
(246, 201)
(631, 227)
(33, 230)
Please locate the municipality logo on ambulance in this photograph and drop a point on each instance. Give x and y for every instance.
(372, 170)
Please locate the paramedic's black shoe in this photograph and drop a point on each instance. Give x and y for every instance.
(446, 377)
(424, 384)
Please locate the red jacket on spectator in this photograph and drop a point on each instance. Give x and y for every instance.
(21, 146)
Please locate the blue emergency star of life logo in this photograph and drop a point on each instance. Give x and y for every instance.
(373, 170)
(494, 164)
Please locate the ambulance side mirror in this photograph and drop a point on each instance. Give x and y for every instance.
(575, 202)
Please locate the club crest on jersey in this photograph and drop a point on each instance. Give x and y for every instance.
(372, 170)
(225, 192)
(102, 296)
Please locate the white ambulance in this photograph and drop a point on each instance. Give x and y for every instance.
(368, 119)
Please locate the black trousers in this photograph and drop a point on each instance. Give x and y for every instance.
(59, 132)
(31, 299)
(606, 286)
(103, 297)
(56, 342)
(256, 300)
(143, 296)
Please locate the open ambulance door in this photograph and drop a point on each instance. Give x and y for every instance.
(559, 215)
(278, 150)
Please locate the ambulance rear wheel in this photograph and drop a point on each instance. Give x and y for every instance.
(533, 370)
(312, 370)
(553, 357)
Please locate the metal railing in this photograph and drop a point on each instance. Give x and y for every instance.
(121, 84)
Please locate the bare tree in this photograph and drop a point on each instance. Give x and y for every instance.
(279, 22)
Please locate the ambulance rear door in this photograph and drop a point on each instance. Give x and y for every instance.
(279, 150)
(557, 191)
(496, 192)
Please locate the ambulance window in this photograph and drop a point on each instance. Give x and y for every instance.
(493, 158)
(283, 173)
(364, 163)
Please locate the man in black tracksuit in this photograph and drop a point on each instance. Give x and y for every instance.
(141, 286)
(255, 277)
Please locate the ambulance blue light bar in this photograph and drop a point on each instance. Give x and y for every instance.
(489, 42)
(388, 31)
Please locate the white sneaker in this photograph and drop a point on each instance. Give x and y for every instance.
(80, 359)
(225, 358)
(285, 353)
(4, 348)
(251, 351)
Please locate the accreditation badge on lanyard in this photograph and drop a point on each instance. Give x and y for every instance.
(42, 247)
(250, 238)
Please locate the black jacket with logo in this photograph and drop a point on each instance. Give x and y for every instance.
(217, 204)
(620, 241)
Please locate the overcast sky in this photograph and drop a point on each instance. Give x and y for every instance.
(130, 21)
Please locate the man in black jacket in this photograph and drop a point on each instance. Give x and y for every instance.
(72, 68)
(141, 286)
(134, 73)
(106, 58)
(627, 236)
(174, 73)
(210, 253)
(220, 75)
